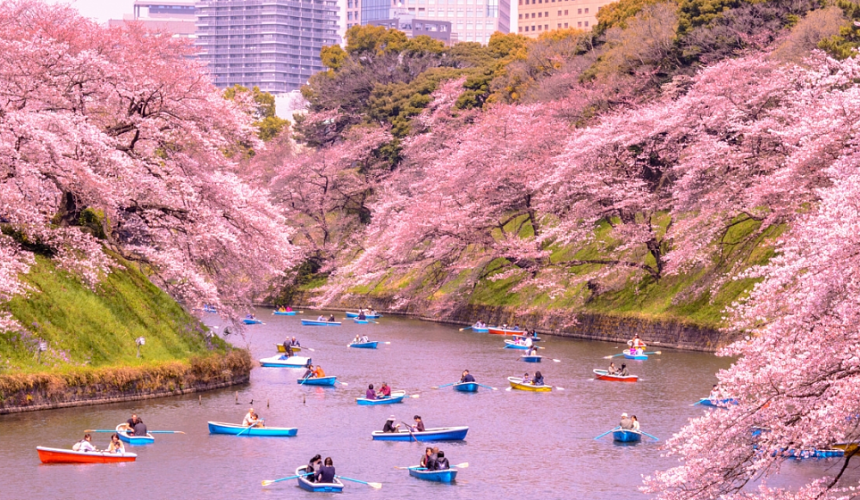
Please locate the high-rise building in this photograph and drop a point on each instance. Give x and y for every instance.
(538, 16)
(406, 22)
(471, 20)
(169, 16)
(350, 15)
(272, 44)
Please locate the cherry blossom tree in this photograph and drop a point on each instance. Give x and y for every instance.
(115, 138)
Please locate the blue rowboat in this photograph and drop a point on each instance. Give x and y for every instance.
(626, 436)
(437, 434)
(241, 430)
(480, 329)
(283, 361)
(718, 403)
(313, 322)
(532, 359)
(440, 476)
(361, 321)
(510, 344)
(466, 387)
(396, 397)
(523, 337)
(250, 321)
(125, 435)
(627, 355)
(284, 313)
(364, 345)
(355, 315)
(335, 487)
(326, 381)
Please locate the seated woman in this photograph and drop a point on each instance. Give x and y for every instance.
(364, 339)
(390, 426)
(313, 465)
(326, 473)
(321, 318)
(538, 380)
(425, 459)
(115, 445)
(370, 393)
(612, 370)
(623, 372)
(85, 444)
(330, 318)
(289, 309)
(419, 424)
(318, 372)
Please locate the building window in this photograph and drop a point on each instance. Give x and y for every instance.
(546, 14)
(521, 16)
(559, 12)
(533, 15)
(559, 25)
(520, 29)
(586, 10)
(579, 24)
(539, 27)
(539, 14)
(579, 11)
(565, 25)
(586, 24)
(565, 12)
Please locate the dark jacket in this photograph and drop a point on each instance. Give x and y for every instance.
(140, 428)
(389, 427)
(467, 378)
(442, 464)
(538, 380)
(419, 426)
(325, 474)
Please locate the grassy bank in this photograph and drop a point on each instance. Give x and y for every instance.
(87, 328)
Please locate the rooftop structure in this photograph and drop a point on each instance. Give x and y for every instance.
(169, 16)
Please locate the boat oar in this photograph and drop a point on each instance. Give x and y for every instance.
(466, 328)
(444, 385)
(166, 432)
(559, 388)
(698, 402)
(414, 396)
(488, 387)
(608, 432)
(100, 430)
(649, 435)
(305, 379)
(614, 355)
(458, 466)
(336, 381)
(246, 428)
(654, 352)
(409, 428)
(273, 481)
(372, 485)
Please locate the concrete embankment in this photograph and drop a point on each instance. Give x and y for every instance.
(91, 386)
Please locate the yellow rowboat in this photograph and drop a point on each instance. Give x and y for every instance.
(295, 348)
(517, 383)
(847, 447)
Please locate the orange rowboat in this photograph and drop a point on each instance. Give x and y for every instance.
(604, 375)
(505, 331)
(61, 456)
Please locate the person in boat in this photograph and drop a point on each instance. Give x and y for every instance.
(364, 339)
(635, 422)
(419, 424)
(309, 373)
(321, 318)
(384, 391)
(390, 426)
(532, 351)
(251, 419)
(361, 315)
(295, 343)
(318, 372)
(626, 422)
(425, 459)
(288, 309)
(357, 339)
(85, 444)
(611, 370)
(115, 445)
(441, 462)
(313, 465)
(288, 352)
(135, 426)
(528, 342)
(636, 345)
(370, 393)
(516, 326)
(466, 377)
(715, 393)
(330, 318)
(623, 372)
(527, 379)
(538, 380)
(326, 473)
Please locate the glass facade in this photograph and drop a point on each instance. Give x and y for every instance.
(375, 10)
(271, 44)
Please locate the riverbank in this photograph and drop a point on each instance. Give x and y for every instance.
(91, 386)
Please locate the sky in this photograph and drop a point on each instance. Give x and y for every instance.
(100, 10)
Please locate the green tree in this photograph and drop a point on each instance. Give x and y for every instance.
(267, 123)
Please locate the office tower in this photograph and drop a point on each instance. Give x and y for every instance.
(471, 20)
(272, 44)
(168, 16)
(538, 16)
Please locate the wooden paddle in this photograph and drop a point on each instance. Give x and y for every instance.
(375, 486)
(273, 481)
(458, 466)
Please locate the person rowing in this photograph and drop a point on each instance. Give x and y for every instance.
(419, 424)
(384, 391)
(636, 345)
(361, 315)
(364, 339)
(538, 380)
(135, 426)
(612, 369)
(532, 351)
(321, 318)
(252, 419)
(370, 393)
(466, 377)
(390, 426)
(426, 462)
(326, 473)
(626, 422)
(357, 339)
(623, 372)
(330, 318)
(309, 373)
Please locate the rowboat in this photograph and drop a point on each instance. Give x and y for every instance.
(517, 383)
(625, 436)
(284, 313)
(250, 321)
(536, 358)
(361, 321)
(209, 309)
(523, 337)
(604, 375)
(627, 355)
(396, 397)
(61, 456)
(364, 345)
(241, 430)
(335, 487)
(510, 344)
(355, 315)
(313, 322)
(717, 403)
(813, 453)
(480, 329)
(325, 381)
(123, 432)
(466, 387)
(283, 361)
(847, 447)
(293, 348)
(437, 434)
(503, 331)
(440, 476)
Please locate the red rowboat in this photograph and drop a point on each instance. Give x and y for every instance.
(61, 456)
(604, 375)
(505, 331)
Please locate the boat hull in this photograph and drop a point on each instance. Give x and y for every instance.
(640, 357)
(313, 322)
(361, 321)
(251, 321)
(294, 348)
(241, 430)
(323, 381)
(438, 434)
(370, 316)
(396, 397)
(284, 313)
(466, 387)
(439, 476)
(291, 362)
(364, 345)
(61, 456)
(503, 331)
(532, 359)
(335, 487)
(604, 375)
(480, 329)
(510, 344)
(626, 436)
(134, 440)
(718, 403)
(523, 337)
(517, 383)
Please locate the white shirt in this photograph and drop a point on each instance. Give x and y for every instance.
(249, 420)
(86, 446)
